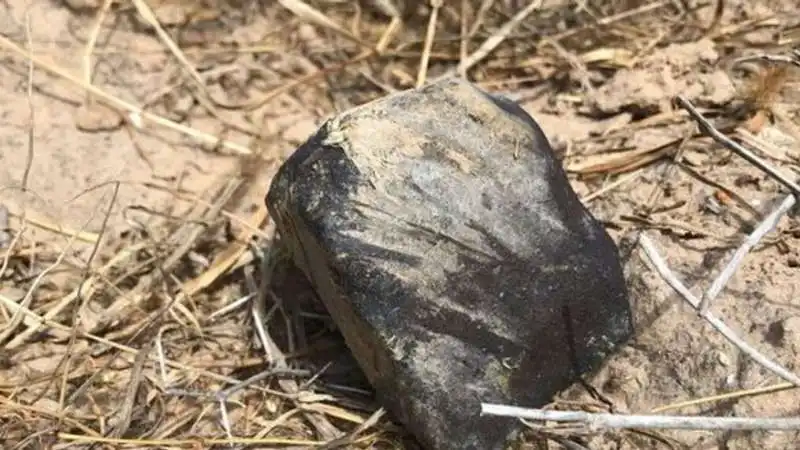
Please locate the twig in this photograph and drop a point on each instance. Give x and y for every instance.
(310, 14)
(232, 306)
(480, 17)
(727, 396)
(429, 35)
(351, 437)
(92, 42)
(732, 145)
(37, 319)
(258, 307)
(86, 289)
(388, 8)
(223, 395)
(32, 111)
(463, 47)
(668, 276)
(226, 393)
(766, 226)
(792, 60)
(66, 362)
(274, 353)
(125, 413)
(611, 186)
(24, 304)
(494, 40)
(192, 443)
(600, 421)
(41, 221)
(609, 20)
(564, 442)
(135, 113)
(149, 16)
(4, 227)
(13, 405)
(162, 364)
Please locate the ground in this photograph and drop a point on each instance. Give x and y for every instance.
(134, 190)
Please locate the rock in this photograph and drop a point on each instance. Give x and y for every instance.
(97, 117)
(82, 5)
(444, 239)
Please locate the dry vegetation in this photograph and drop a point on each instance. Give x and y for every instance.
(127, 327)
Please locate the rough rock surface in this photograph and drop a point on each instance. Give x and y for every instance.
(442, 235)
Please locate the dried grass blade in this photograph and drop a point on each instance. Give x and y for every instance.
(310, 14)
(135, 113)
(495, 39)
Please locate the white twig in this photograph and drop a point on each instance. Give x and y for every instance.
(18, 316)
(599, 421)
(784, 59)
(225, 419)
(260, 317)
(668, 276)
(232, 306)
(257, 295)
(766, 226)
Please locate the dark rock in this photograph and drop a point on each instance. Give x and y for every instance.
(444, 239)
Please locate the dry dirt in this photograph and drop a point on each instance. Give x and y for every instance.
(95, 169)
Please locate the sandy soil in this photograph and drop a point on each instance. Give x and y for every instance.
(81, 150)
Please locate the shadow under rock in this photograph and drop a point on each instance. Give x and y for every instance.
(306, 333)
(308, 336)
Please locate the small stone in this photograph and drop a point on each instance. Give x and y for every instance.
(442, 235)
(730, 380)
(96, 117)
(82, 5)
(723, 359)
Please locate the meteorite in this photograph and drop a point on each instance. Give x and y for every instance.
(441, 233)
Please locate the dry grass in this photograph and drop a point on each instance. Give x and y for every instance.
(131, 340)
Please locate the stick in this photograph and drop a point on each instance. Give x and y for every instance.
(707, 128)
(767, 225)
(493, 41)
(426, 51)
(668, 276)
(599, 421)
(135, 113)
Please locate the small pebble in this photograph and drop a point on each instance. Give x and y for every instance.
(82, 5)
(97, 117)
